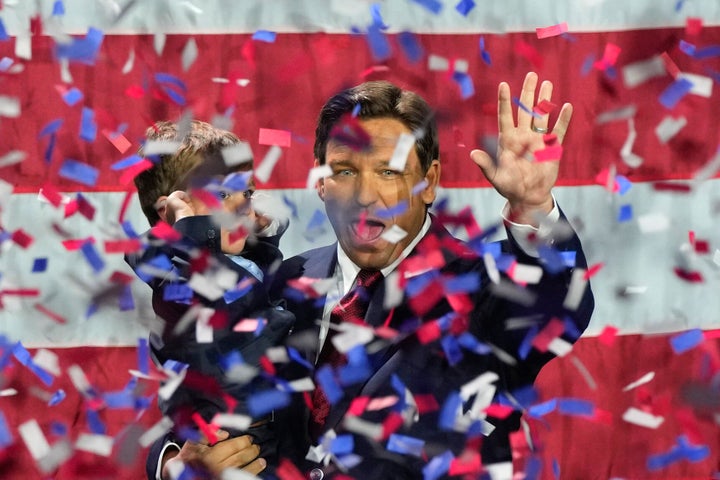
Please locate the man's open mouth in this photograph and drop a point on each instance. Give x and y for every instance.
(367, 230)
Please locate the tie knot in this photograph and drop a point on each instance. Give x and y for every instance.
(368, 278)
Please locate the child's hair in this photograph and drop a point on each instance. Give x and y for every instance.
(201, 147)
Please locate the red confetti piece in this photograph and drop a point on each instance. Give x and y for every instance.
(693, 26)
(49, 313)
(548, 154)
(496, 410)
(391, 424)
(529, 53)
(268, 136)
(207, 429)
(135, 91)
(124, 206)
(123, 246)
(132, 171)
(610, 56)
(428, 332)
(552, 31)
(21, 238)
(71, 208)
(165, 232)
(121, 278)
(358, 405)
(118, 140)
(468, 463)
(672, 187)
(21, 292)
(607, 336)
(51, 194)
(267, 365)
(670, 65)
(550, 332)
(692, 277)
(85, 208)
(75, 243)
(544, 107)
(591, 271)
(702, 247)
(288, 471)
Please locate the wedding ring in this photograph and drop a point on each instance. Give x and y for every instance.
(538, 129)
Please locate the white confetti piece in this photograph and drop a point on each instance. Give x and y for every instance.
(640, 381)
(362, 427)
(60, 452)
(48, 361)
(189, 54)
(576, 290)
(316, 173)
(491, 267)
(65, 74)
(631, 160)
(168, 388)
(622, 113)
(716, 257)
(701, 85)
(232, 420)
(481, 382)
(637, 73)
(205, 286)
(437, 63)
(584, 372)
(160, 428)
(353, 336)
(95, 443)
(23, 46)
(522, 273)
(203, 329)
(669, 127)
(34, 439)
(641, 418)
(237, 154)
(79, 379)
(12, 157)
(159, 43)
(129, 63)
(9, 106)
(302, 385)
(653, 222)
(514, 293)
(404, 145)
(160, 147)
(393, 293)
(266, 167)
(277, 354)
(394, 234)
(560, 347)
(8, 392)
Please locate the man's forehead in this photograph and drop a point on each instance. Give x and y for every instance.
(377, 140)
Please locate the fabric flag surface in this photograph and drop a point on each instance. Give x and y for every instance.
(636, 397)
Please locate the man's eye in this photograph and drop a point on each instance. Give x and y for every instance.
(224, 195)
(345, 172)
(389, 173)
(247, 194)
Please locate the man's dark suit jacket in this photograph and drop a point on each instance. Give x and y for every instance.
(424, 368)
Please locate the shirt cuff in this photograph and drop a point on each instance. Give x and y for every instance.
(158, 469)
(527, 236)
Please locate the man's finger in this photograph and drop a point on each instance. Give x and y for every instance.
(527, 98)
(239, 459)
(485, 162)
(545, 93)
(505, 114)
(256, 466)
(563, 121)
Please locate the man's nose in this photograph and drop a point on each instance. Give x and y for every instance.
(366, 190)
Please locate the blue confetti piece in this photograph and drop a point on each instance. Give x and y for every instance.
(533, 468)
(237, 182)
(353, 374)
(231, 296)
(587, 65)
(3, 33)
(468, 341)
(377, 19)
(504, 261)
(50, 148)
(143, 354)
(464, 7)
(516, 101)
(452, 404)
(624, 184)
(92, 308)
(92, 256)
(342, 444)
(296, 357)
(556, 469)
(433, 5)
(524, 396)
(326, 380)
(625, 214)
(464, 283)
(79, 172)
(378, 43)
(22, 355)
(95, 424)
(174, 96)
(126, 162)
(406, 445)
(58, 428)
(6, 438)
(231, 360)
(58, 8)
(552, 260)
(82, 50)
(410, 46)
(679, 4)
(356, 110)
(571, 329)
(675, 92)
(484, 54)
(117, 400)
(39, 265)
(262, 403)
(163, 78)
(174, 366)
(88, 128)
(708, 52)
(542, 409)
(264, 36)
(56, 398)
(576, 406)
(464, 81)
(5, 64)
(291, 205)
(51, 127)
(526, 344)
(452, 350)
(177, 292)
(398, 209)
(685, 341)
(126, 301)
(317, 220)
(438, 466)
(72, 96)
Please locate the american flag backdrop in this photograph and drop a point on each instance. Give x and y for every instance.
(81, 80)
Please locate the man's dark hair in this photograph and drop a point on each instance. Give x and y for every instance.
(381, 99)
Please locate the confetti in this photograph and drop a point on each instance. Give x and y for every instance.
(264, 36)
(552, 31)
(670, 97)
(267, 165)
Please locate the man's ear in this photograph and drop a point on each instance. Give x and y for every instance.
(320, 185)
(161, 207)
(432, 177)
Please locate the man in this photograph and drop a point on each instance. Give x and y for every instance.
(437, 311)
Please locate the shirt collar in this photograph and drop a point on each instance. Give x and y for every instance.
(349, 270)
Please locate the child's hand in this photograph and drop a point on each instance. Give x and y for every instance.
(178, 205)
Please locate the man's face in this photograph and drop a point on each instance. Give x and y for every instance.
(363, 185)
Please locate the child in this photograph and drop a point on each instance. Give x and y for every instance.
(216, 235)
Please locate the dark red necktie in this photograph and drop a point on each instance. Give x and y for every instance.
(351, 308)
